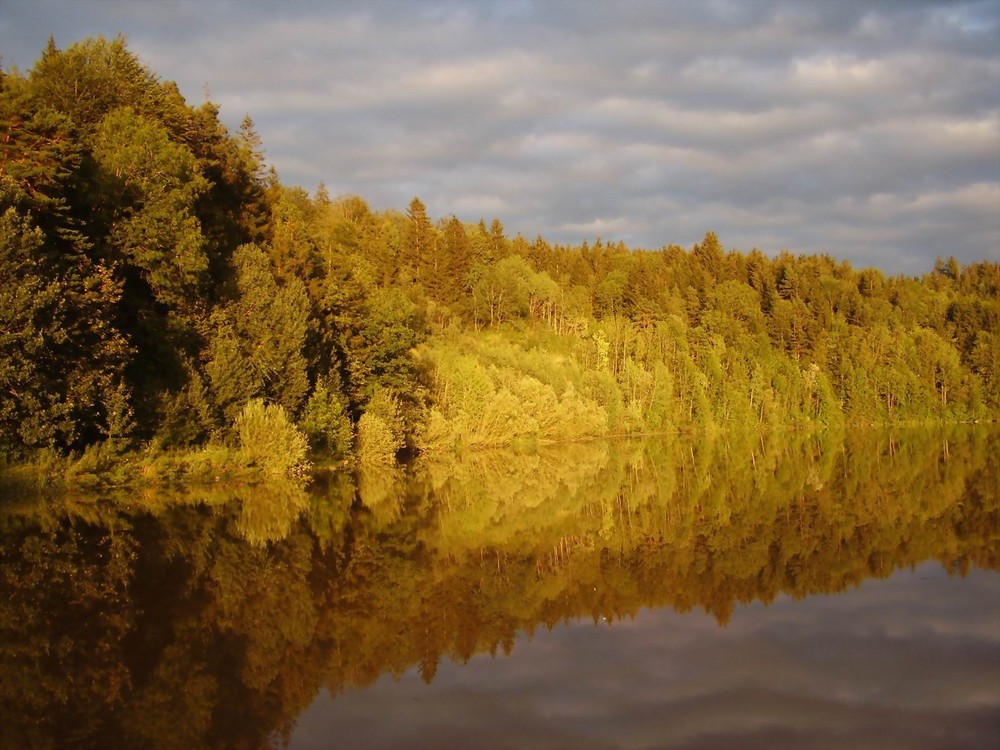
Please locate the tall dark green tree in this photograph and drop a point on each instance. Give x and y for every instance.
(89, 79)
(419, 244)
(256, 350)
(448, 281)
(61, 359)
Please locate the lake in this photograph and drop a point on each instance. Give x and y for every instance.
(797, 590)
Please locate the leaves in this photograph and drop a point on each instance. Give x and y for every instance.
(161, 269)
(270, 440)
(257, 348)
(61, 360)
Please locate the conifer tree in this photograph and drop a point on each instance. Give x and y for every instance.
(418, 243)
(257, 348)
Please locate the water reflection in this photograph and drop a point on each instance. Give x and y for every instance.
(212, 618)
(886, 665)
(268, 516)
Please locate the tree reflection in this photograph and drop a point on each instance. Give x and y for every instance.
(210, 618)
(268, 516)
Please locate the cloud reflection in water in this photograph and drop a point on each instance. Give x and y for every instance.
(907, 661)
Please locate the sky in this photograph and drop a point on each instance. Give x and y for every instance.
(866, 130)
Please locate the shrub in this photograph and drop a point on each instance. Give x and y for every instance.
(269, 440)
(380, 429)
(100, 465)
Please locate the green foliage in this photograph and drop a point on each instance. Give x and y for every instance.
(448, 278)
(156, 276)
(189, 413)
(268, 439)
(325, 420)
(419, 249)
(60, 358)
(40, 159)
(93, 77)
(152, 184)
(206, 464)
(291, 246)
(498, 393)
(510, 289)
(380, 429)
(256, 350)
(97, 467)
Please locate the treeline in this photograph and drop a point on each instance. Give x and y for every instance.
(159, 286)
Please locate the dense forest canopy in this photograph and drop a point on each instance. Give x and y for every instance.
(160, 287)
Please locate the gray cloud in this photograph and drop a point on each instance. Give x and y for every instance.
(867, 130)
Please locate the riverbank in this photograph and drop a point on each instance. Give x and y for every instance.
(106, 467)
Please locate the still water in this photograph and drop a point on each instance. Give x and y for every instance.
(796, 591)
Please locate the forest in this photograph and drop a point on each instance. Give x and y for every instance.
(169, 309)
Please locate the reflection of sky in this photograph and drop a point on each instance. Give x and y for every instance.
(911, 661)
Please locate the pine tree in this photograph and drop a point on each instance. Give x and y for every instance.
(292, 247)
(93, 77)
(416, 261)
(449, 282)
(257, 348)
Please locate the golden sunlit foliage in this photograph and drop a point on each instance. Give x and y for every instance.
(158, 278)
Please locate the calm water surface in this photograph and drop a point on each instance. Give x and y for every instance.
(891, 664)
(789, 592)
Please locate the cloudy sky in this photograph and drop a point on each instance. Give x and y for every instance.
(867, 130)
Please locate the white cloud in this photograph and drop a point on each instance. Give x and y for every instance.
(601, 227)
